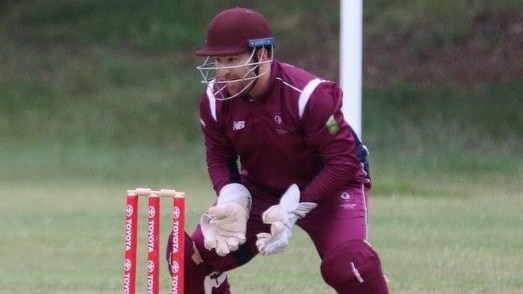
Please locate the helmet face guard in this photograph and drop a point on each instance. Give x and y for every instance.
(209, 70)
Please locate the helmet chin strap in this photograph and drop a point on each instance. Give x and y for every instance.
(246, 96)
(246, 93)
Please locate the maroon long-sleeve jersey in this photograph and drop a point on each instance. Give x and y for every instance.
(294, 133)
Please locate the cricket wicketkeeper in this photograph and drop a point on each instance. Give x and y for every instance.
(279, 153)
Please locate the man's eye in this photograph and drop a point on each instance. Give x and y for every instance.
(228, 60)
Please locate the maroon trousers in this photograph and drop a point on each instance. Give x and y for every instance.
(343, 217)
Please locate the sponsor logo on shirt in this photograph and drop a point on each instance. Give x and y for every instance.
(238, 125)
(332, 125)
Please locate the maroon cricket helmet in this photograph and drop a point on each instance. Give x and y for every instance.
(236, 30)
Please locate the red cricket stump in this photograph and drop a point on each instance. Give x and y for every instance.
(178, 244)
(131, 234)
(153, 245)
(153, 240)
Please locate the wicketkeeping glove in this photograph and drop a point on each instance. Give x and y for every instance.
(282, 218)
(225, 224)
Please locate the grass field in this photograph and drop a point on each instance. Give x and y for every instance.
(457, 232)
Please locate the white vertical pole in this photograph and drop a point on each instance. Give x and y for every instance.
(351, 47)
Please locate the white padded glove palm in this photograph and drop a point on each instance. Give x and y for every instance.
(225, 224)
(282, 218)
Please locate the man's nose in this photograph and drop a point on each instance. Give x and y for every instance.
(222, 71)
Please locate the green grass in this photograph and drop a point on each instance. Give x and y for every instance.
(456, 245)
(62, 229)
(412, 118)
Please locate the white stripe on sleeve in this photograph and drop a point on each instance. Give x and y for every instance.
(306, 94)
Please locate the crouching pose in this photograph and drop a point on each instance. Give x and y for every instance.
(279, 153)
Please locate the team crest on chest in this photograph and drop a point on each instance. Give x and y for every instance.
(279, 124)
(277, 119)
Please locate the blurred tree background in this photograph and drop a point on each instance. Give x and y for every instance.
(80, 77)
